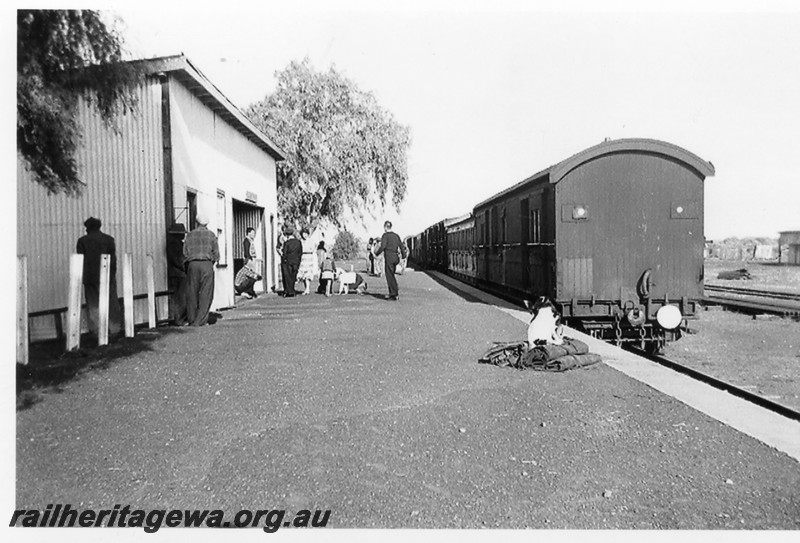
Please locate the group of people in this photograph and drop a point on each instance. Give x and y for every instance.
(245, 280)
(302, 260)
(190, 269)
(190, 274)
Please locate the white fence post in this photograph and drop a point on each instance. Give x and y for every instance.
(127, 288)
(102, 303)
(74, 302)
(22, 310)
(151, 293)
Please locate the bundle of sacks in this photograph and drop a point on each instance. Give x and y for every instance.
(546, 348)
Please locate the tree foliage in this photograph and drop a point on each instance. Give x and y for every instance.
(347, 246)
(63, 55)
(344, 152)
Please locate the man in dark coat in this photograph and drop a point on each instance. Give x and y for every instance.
(176, 275)
(392, 246)
(200, 251)
(249, 244)
(292, 253)
(94, 244)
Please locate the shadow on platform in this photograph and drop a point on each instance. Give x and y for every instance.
(50, 367)
(455, 290)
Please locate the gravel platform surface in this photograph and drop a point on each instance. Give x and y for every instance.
(379, 411)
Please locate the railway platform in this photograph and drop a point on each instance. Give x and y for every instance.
(380, 412)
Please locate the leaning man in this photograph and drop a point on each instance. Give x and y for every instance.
(200, 252)
(92, 246)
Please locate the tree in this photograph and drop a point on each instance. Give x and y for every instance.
(344, 152)
(347, 246)
(63, 55)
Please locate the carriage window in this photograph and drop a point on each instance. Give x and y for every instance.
(535, 226)
(495, 225)
(504, 226)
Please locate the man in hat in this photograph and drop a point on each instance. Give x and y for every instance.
(291, 255)
(391, 246)
(92, 246)
(200, 252)
(176, 274)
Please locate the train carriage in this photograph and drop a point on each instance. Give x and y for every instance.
(432, 248)
(613, 235)
(460, 250)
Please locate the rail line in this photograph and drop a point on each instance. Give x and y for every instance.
(754, 307)
(732, 389)
(755, 293)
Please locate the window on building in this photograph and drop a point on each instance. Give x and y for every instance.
(222, 228)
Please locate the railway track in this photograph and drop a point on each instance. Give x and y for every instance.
(754, 301)
(754, 293)
(732, 389)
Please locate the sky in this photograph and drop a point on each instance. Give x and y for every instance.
(496, 91)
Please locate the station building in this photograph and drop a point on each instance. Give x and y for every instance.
(186, 150)
(789, 244)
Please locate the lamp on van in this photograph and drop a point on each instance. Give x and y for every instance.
(669, 317)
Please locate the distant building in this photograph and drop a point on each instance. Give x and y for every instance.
(764, 252)
(188, 149)
(789, 244)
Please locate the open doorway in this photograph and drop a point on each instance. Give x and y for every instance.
(246, 215)
(191, 208)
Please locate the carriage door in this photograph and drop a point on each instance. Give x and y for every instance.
(523, 242)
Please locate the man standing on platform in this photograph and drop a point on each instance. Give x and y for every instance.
(291, 254)
(392, 246)
(249, 245)
(94, 244)
(176, 274)
(200, 251)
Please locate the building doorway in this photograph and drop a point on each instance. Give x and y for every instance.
(247, 215)
(191, 204)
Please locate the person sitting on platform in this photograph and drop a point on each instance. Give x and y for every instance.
(246, 279)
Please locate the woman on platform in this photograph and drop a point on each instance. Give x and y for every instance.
(309, 266)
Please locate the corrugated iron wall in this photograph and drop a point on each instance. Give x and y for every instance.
(244, 217)
(123, 173)
(792, 254)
